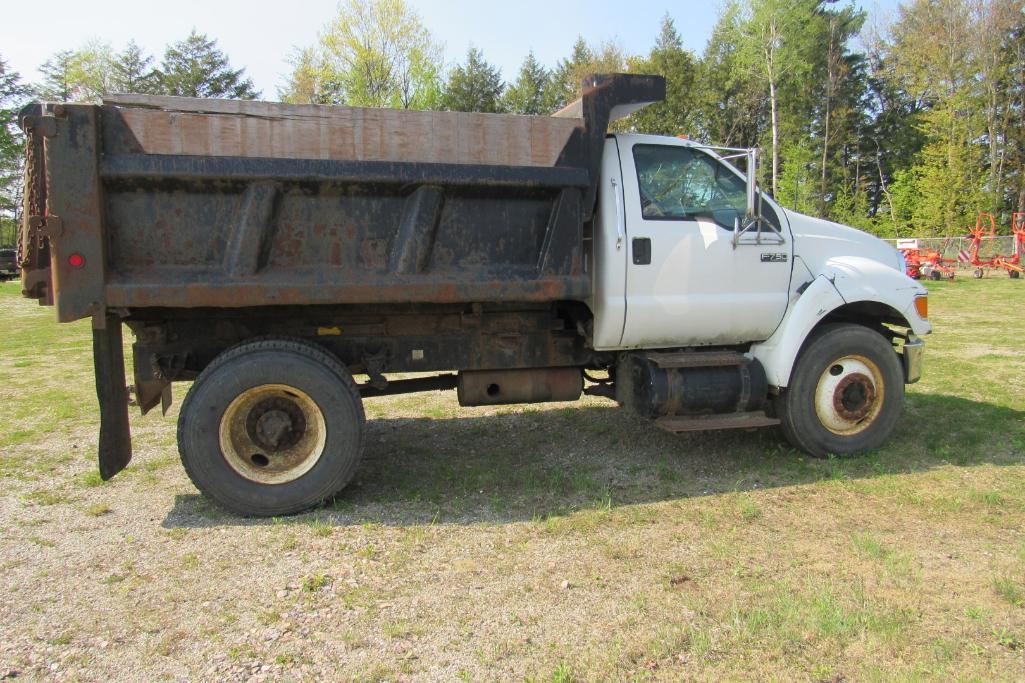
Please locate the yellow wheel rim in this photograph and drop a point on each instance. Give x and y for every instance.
(272, 434)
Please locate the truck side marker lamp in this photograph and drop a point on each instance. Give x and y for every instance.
(922, 306)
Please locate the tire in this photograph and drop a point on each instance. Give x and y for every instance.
(977, 273)
(271, 427)
(935, 275)
(846, 392)
(1013, 274)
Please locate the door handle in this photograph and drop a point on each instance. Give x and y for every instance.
(641, 247)
(620, 216)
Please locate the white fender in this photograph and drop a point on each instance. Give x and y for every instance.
(778, 353)
(862, 279)
(843, 280)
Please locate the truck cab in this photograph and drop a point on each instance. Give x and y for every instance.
(668, 271)
(680, 258)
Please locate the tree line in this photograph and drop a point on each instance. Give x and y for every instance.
(905, 126)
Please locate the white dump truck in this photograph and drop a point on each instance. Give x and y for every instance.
(289, 261)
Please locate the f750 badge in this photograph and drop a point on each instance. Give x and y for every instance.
(774, 257)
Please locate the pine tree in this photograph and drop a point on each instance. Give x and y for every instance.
(132, 71)
(729, 102)
(669, 59)
(12, 93)
(532, 92)
(584, 60)
(474, 86)
(58, 77)
(194, 67)
(569, 72)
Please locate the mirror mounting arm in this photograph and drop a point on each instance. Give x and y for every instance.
(753, 219)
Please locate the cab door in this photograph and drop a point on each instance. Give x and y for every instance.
(687, 283)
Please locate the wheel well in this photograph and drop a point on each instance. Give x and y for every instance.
(872, 314)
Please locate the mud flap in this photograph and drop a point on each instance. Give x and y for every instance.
(115, 451)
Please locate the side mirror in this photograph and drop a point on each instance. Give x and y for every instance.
(753, 221)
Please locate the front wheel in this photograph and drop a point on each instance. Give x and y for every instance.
(846, 392)
(271, 427)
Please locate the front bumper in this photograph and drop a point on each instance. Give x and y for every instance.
(912, 357)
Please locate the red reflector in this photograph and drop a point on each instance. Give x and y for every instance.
(76, 260)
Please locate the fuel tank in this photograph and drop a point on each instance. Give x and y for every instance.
(657, 385)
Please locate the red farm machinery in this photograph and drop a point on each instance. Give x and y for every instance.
(923, 262)
(985, 228)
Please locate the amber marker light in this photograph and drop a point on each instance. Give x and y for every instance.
(922, 306)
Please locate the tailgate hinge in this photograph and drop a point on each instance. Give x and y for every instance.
(46, 226)
(45, 125)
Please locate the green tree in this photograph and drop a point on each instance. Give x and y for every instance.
(474, 86)
(93, 69)
(194, 67)
(667, 58)
(310, 80)
(132, 71)
(58, 77)
(372, 54)
(584, 60)
(569, 72)
(797, 180)
(81, 75)
(891, 138)
(730, 106)
(12, 94)
(934, 61)
(1014, 88)
(776, 45)
(840, 101)
(532, 92)
(995, 62)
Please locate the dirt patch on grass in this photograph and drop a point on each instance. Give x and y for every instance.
(559, 542)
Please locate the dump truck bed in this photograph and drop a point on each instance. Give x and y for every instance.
(148, 202)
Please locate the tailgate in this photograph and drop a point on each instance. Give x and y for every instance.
(61, 244)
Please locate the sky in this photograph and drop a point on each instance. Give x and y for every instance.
(260, 35)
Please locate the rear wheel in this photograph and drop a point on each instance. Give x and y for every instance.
(846, 392)
(271, 427)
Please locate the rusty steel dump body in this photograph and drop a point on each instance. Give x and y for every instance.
(189, 231)
(400, 241)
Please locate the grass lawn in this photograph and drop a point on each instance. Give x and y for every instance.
(551, 543)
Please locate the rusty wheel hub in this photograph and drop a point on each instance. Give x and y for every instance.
(272, 434)
(849, 395)
(854, 396)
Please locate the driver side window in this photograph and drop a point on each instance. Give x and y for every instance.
(680, 183)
